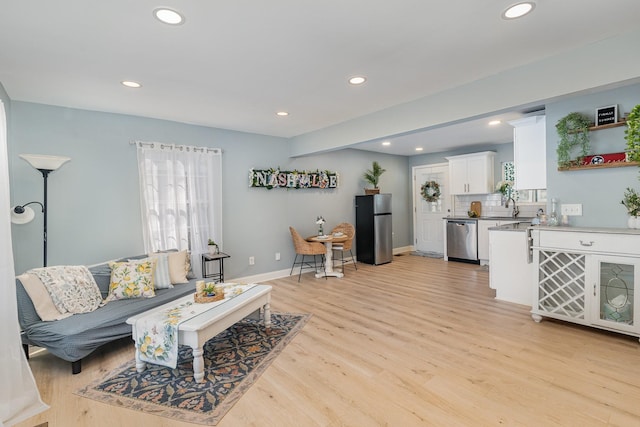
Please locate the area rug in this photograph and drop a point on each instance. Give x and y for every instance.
(233, 361)
(427, 254)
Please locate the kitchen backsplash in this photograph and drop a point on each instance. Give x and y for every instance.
(492, 206)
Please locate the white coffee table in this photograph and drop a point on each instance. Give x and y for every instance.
(198, 330)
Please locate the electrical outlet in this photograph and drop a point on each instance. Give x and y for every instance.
(252, 260)
(571, 210)
(277, 256)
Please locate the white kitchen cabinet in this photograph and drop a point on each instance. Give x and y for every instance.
(483, 237)
(471, 173)
(529, 152)
(510, 271)
(587, 277)
(612, 281)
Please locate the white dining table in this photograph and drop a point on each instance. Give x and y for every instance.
(328, 242)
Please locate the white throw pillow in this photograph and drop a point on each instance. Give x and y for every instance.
(161, 276)
(40, 298)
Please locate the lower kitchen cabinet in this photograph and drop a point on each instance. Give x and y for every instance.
(510, 271)
(587, 277)
(483, 237)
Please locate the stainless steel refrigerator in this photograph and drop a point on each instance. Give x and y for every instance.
(374, 244)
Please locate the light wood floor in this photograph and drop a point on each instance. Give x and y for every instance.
(417, 342)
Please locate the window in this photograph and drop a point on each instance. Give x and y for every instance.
(181, 197)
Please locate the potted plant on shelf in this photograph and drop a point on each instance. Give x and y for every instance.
(632, 135)
(573, 129)
(631, 201)
(372, 176)
(213, 247)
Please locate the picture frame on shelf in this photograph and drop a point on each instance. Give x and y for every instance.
(606, 115)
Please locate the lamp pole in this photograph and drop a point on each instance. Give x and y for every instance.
(45, 175)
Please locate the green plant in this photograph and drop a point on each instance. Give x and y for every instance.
(573, 130)
(631, 201)
(632, 135)
(212, 243)
(372, 176)
(504, 187)
(209, 289)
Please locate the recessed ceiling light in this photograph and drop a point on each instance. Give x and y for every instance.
(494, 122)
(282, 113)
(129, 83)
(357, 80)
(386, 143)
(517, 10)
(168, 16)
(418, 148)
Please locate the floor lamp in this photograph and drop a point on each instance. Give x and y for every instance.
(23, 214)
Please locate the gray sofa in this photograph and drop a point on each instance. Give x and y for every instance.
(75, 337)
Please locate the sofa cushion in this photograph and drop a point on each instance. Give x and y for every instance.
(102, 275)
(131, 279)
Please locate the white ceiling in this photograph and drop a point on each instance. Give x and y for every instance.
(234, 64)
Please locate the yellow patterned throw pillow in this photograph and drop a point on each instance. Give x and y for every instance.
(133, 279)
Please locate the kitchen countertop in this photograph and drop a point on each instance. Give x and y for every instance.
(494, 218)
(524, 226)
(518, 226)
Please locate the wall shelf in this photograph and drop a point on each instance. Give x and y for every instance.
(622, 122)
(600, 166)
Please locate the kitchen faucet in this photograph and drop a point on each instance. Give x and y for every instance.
(515, 211)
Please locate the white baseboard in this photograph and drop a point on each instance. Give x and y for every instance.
(263, 277)
(403, 249)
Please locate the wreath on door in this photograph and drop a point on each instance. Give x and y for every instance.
(430, 191)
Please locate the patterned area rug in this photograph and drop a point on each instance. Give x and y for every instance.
(428, 254)
(233, 360)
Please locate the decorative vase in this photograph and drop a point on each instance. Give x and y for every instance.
(369, 191)
(213, 249)
(633, 222)
(320, 230)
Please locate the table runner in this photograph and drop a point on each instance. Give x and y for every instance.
(157, 333)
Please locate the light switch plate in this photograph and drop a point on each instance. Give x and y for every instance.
(571, 210)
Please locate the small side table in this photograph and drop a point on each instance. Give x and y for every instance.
(207, 258)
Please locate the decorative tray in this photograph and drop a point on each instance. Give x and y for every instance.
(200, 298)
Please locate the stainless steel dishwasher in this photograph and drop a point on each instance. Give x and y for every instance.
(462, 240)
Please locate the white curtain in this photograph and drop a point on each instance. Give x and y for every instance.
(181, 198)
(19, 396)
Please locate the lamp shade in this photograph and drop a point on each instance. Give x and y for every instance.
(43, 161)
(24, 217)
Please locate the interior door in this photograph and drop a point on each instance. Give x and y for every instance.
(428, 217)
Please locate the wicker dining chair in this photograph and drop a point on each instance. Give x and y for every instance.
(341, 248)
(304, 248)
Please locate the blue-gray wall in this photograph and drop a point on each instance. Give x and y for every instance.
(598, 190)
(94, 204)
(94, 208)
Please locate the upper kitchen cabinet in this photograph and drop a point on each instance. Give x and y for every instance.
(471, 173)
(529, 153)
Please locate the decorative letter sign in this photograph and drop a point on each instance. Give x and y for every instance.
(606, 115)
(274, 178)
